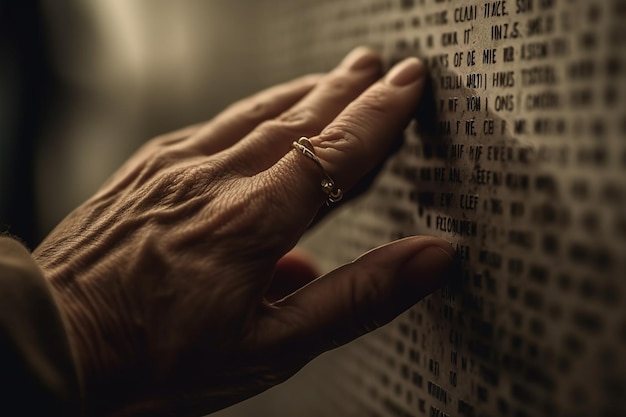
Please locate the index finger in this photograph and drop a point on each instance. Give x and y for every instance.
(352, 144)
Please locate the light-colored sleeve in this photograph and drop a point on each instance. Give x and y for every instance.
(37, 373)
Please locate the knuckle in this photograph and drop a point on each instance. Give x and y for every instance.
(258, 109)
(289, 126)
(338, 84)
(160, 150)
(271, 128)
(375, 102)
(153, 146)
(345, 132)
(339, 137)
(254, 110)
(158, 160)
(341, 83)
(302, 119)
(157, 192)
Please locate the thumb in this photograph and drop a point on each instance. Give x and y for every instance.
(364, 294)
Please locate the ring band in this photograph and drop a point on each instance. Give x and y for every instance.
(328, 184)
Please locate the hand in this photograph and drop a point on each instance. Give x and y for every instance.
(176, 278)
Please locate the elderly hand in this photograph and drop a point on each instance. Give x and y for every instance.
(163, 276)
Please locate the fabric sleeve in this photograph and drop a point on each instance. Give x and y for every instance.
(38, 376)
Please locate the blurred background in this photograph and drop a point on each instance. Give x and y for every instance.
(84, 84)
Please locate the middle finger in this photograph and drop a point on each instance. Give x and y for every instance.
(272, 139)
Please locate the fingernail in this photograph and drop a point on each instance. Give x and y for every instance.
(361, 58)
(426, 270)
(405, 72)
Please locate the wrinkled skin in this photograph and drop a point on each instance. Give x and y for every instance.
(176, 280)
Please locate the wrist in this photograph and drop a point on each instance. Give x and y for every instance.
(101, 357)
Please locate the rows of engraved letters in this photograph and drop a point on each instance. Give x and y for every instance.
(581, 98)
(417, 350)
(594, 156)
(573, 343)
(533, 299)
(503, 20)
(538, 272)
(585, 288)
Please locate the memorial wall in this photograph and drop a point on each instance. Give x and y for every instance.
(517, 156)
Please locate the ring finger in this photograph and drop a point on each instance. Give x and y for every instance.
(349, 147)
(271, 140)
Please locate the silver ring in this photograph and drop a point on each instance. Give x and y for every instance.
(328, 184)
